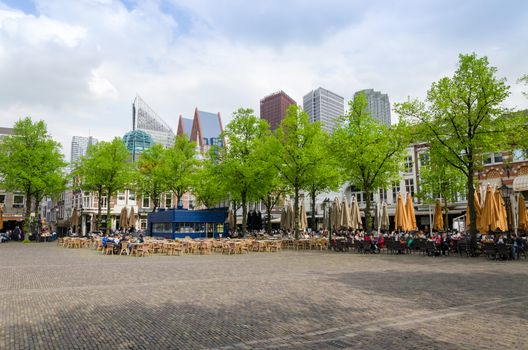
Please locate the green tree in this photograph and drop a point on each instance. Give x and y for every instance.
(151, 180)
(295, 151)
(370, 153)
(31, 162)
(208, 187)
(439, 179)
(463, 118)
(106, 169)
(241, 167)
(326, 175)
(180, 165)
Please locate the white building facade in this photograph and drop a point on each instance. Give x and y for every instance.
(324, 106)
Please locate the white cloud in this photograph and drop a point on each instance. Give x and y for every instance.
(79, 64)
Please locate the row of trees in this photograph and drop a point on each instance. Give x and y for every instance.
(462, 118)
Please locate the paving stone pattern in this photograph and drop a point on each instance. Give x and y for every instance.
(58, 298)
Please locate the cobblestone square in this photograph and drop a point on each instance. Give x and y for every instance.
(57, 298)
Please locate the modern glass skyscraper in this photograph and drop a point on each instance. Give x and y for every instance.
(378, 105)
(79, 146)
(145, 119)
(324, 106)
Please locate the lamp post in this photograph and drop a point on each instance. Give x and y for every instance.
(506, 191)
(83, 226)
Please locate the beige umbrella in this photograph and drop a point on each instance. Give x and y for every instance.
(409, 209)
(132, 217)
(400, 217)
(503, 217)
(384, 221)
(283, 218)
(438, 224)
(93, 223)
(291, 217)
(355, 215)
(123, 217)
(1, 217)
(74, 220)
(345, 221)
(490, 212)
(336, 214)
(303, 220)
(231, 220)
(522, 221)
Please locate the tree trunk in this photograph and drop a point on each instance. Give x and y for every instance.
(268, 213)
(244, 212)
(313, 194)
(27, 214)
(368, 220)
(108, 217)
(38, 198)
(472, 209)
(296, 212)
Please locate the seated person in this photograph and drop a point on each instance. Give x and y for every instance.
(104, 240)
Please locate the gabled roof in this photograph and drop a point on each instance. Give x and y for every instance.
(185, 126)
(206, 126)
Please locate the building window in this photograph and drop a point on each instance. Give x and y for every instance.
(519, 154)
(408, 164)
(131, 198)
(2, 198)
(103, 201)
(168, 200)
(121, 197)
(205, 141)
(492, 158)
(18, 201)
(409, 186)
(382, 195)
(424, 159)
(143, 224)
(497, 157)
(146, 202)
(395, 191)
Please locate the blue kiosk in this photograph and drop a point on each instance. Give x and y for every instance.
(181, 223)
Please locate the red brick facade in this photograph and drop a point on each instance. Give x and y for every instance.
(273, 108)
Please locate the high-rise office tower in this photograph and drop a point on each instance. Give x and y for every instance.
(324, 106)
(144, 118)
(273, 108)
(79, 146)
(378, 105)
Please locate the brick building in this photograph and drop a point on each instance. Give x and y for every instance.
(273, 108)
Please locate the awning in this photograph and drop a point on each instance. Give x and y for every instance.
(520, 183)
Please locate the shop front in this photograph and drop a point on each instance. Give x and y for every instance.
(181, 223)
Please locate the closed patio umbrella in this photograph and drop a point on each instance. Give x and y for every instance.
(336, 214)
(522, 221)
(93, 223)
(438, 224)
(346, 223)
(478, 210)
(400, 217)
(490, 212)
(283, 218)
(291, 217)
(409, 209)
(132, 217)
(355, 215)
(503, 217)
(303, 220)
(123, 217)
(74, 220)
(384, 221)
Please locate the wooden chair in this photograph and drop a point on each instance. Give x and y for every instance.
(143, 250)
(109, 249)
(124, 248)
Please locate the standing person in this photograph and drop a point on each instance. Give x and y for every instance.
(17, 233)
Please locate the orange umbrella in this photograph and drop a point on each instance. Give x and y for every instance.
(409, 209)
(523, 216)
(478, 210)
(438, 218)
(400, 217)
(503, 217)
(490, 212)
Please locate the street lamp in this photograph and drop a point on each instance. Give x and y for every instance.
(83, 226)
(506, 192)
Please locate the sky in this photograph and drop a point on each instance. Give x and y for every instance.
(79, 64)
